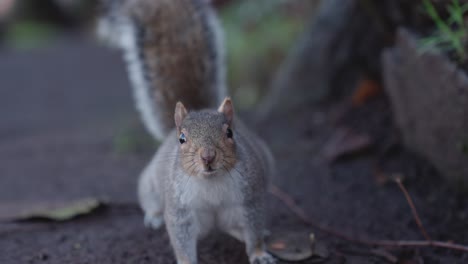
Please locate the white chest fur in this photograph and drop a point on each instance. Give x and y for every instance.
(220, 191)
(214, 202)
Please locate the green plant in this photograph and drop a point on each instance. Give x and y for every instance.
(451, 34)
(30, 34)
(258, 36)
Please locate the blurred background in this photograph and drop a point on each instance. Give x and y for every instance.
(258, 33)
(54, 43)
(350, 95)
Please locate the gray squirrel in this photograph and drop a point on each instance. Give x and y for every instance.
(210, 171)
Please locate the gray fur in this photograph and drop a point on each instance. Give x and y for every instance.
(155, 34)
(231, 201)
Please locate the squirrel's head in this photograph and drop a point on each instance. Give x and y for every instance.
(206, 140)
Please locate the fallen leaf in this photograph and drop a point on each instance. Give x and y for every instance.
(297, 246)
(345, 142)
(365, 90)
(278, 245)
(52, 210)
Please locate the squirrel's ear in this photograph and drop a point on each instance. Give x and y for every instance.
(180, 113)
(227, 109)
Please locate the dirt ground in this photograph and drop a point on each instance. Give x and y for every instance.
(61, 109)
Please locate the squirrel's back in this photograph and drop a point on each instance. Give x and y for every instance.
(174, 52)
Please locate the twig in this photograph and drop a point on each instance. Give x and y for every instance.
(413, 208)
(299, 212)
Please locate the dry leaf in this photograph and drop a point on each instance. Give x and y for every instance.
(365, 90)
(54, 211)
(278, 245)
(293, 246)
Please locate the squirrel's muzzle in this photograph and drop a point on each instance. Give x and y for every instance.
(207, 155)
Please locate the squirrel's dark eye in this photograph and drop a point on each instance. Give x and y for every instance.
(229, 133)
(182, 138)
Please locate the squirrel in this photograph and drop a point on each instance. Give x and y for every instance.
(210, 171)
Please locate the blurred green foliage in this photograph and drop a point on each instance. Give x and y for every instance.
(451, 34)
(30, 34)
(258, 35)
(133, 138)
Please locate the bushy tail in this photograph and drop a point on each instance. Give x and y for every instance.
(174, 52)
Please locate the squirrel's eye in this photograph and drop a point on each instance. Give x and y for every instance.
(229, 133)
(182, 138)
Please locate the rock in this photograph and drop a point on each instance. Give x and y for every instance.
(341, 44)
(429, 97)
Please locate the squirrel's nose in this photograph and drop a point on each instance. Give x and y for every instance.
(208, 155)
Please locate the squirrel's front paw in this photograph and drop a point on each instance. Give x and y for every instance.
(154, 221)
(263, 258)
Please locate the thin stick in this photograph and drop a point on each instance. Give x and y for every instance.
(299, 212)
(413, 208)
